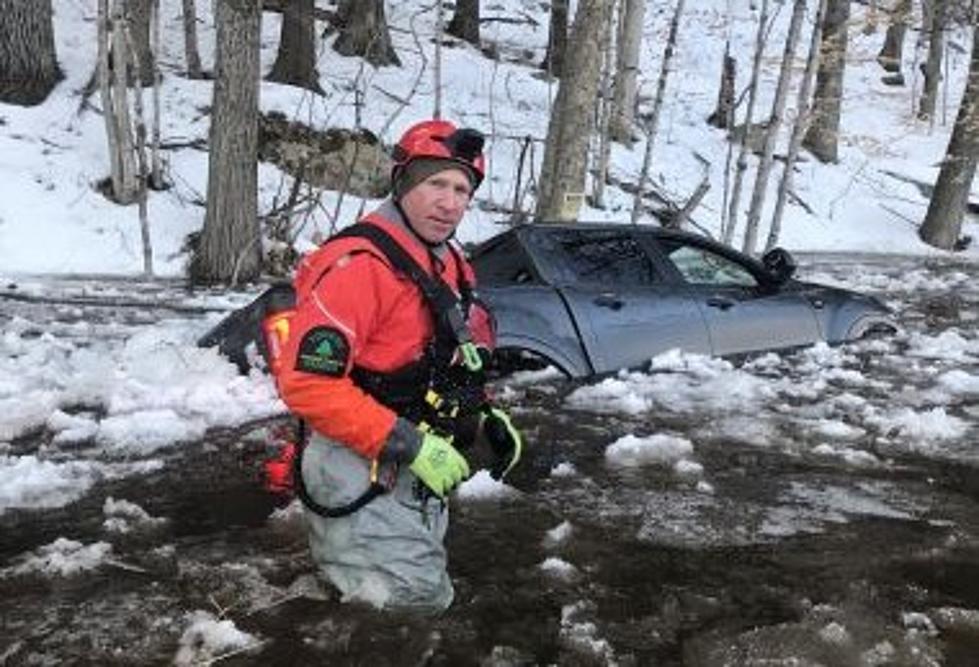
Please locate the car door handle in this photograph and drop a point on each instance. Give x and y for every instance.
(720, 302)
(609, 301)
(816, 302)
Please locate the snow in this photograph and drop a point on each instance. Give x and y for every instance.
(119, 390)
(63, 558)
(207, 637)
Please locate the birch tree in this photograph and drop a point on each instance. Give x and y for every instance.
(731, 221)
(114, 92)
(652, 124)
(295, 61)
(774, 125)
(191, 53)
(565, 163)
(139, 15)
(803, 114)
(229, 248)
(943, 221)
(629, 43)
(933, 65)
(28, 64)
(822, 138)
(365, 33)
(604, 110)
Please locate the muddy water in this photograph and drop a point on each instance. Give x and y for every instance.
(785, 557)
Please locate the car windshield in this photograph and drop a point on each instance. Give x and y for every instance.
(700, 266)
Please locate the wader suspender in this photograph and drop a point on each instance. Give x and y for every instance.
(441, 300)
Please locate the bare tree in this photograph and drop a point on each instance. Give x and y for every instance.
(627, 68)
(139, 15)
(822, 138)
(565, 162)
(760, 187)
(465, 21)
(891, 52)
(731, 221)
(803, 114)
(191, 53)
(651, 124)
(295, 62)
(943, 221)
(557, 38)
(123, 181)
(933, 65)
(723, 115)
(28, 65)
(603, 106)
(364, 32)
(229, 248)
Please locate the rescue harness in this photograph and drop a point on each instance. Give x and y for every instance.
(434, 392)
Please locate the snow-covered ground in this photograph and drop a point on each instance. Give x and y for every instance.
(53, 221)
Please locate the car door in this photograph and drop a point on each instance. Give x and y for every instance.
(625, 311)
(743, 312)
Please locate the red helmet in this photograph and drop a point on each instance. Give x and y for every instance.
(441, 139)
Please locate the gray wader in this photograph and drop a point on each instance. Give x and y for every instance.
(389, 553)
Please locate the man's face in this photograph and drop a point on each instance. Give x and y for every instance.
(436, 205)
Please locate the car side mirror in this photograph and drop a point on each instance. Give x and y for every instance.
(780, 264)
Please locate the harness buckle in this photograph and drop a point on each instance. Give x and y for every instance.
(470, 356)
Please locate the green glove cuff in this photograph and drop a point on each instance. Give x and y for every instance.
(505, 439)
(438, 465)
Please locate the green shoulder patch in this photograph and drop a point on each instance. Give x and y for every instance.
(323, 351)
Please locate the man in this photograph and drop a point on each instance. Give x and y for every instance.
(383, 365)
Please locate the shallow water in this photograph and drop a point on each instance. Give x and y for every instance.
(778, 551)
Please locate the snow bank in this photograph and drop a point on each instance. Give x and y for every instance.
(63, 558)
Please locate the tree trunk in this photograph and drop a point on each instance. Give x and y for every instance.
(626, 70)
(943, 222)
(295, 62)
(28, 65)
(557, 38)
(892, 51)
(113, 65)
(465, 21)
(723, 116)
(760, 187)
(933, 65)
(803, 114)
(365, 33)
(565, 164)
(191, 53)
(731, 221)
(822, 138)
(229, 249)
(651, 125)
(138, 13)
(604, 111)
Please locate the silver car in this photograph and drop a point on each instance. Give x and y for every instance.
(594, 298)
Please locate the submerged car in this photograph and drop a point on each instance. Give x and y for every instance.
(594, 298)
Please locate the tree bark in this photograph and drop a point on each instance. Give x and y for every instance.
(943, 221)
(229, 248)
(28, 65)
(603, 106)
(138, 14)
(627, 68)
(565, 162)
(113, 65)
(731, 221)
(557, 38)
(723, 116)
(760, 187)
(191, 53)
(803, 114)
(933, 65)
(651, 125)
(295, 62)
(465, 21)
(822, 138)
(892, 51)
(364, 33)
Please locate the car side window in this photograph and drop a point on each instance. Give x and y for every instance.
(609, 258)
(505, 263)
(700, 266)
